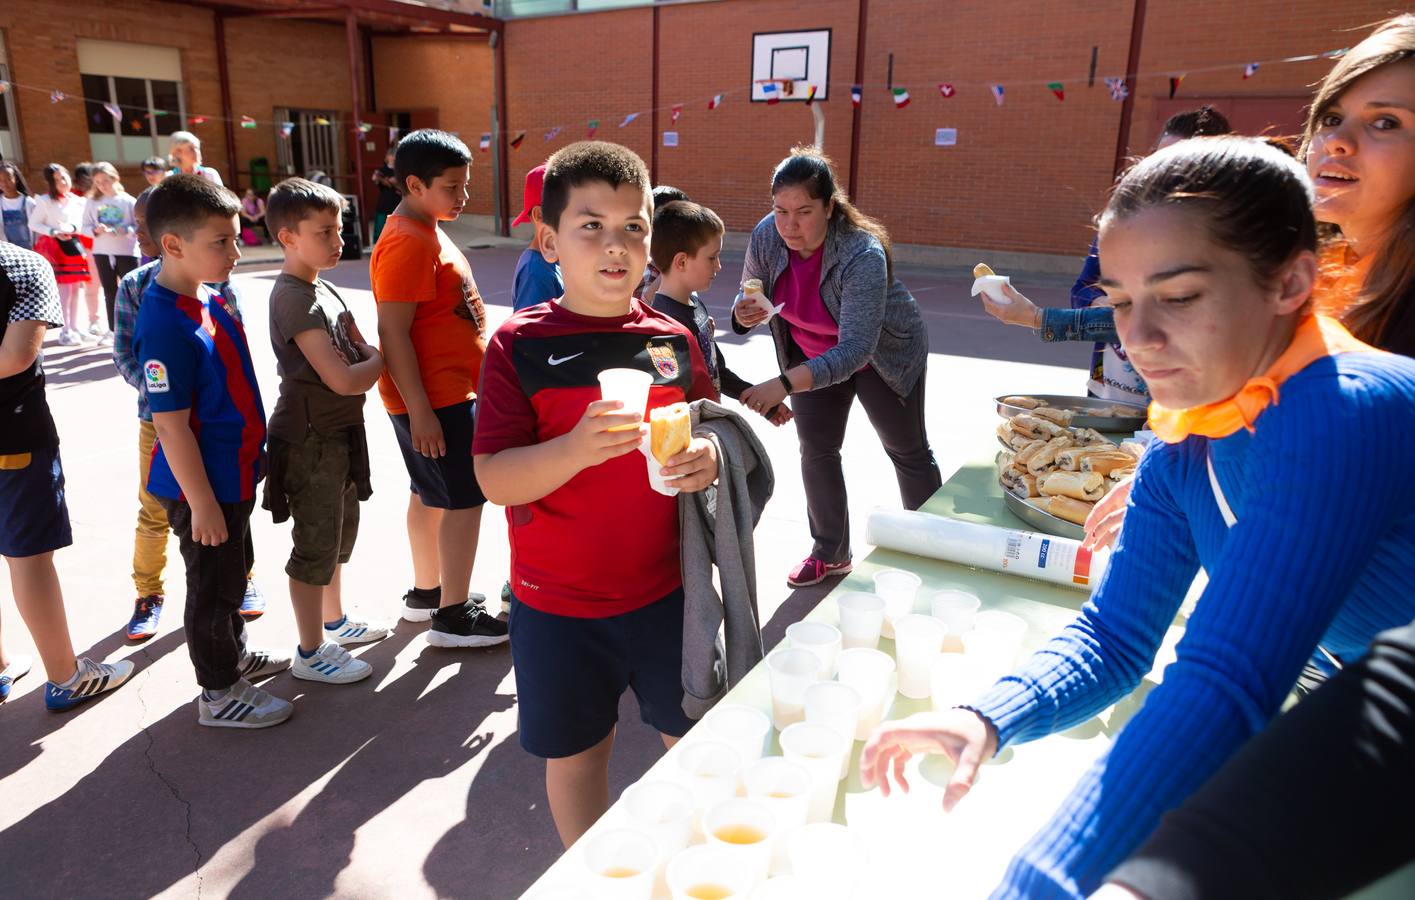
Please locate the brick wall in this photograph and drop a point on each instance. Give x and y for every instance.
(42, 42)
(454, 76)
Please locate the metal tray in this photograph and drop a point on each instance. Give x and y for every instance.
(1112, 424)
(1041, 521)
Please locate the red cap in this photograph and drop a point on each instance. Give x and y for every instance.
(535, 179)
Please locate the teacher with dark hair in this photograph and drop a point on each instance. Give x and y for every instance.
(847, 328)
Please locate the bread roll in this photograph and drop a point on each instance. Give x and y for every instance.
(670, 431)
(751, 286)
(1089, 436)
(1024, 486)
(1070, 458)
(1023, 402)
(1079, 485)
(1134, 448)
(1105, 463)
(982, 270)
(1121, 474)
(1059, 416)
(1031, 449)
(1069, 509)
(1045, 458)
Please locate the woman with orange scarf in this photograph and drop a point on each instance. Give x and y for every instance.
(1283, 443)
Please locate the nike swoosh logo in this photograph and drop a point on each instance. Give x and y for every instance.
(564, 359)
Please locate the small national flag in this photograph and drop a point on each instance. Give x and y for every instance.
(947, 90)
(629, 118)
(901, 98)
(196, 120)
(485, 143)
(1056, 88)
(1250, 70)
(715, 102)
(320, 120)
(4, 86)
(393, 132)
(114, 111)
(550, 135)
(287, 129)
(811, 96)
(593, 128)
(771, 92)
(1118, 90)
(998, 93)
(56, 96)
(855, 94)
(247, 122)
(159, 112)
(365, 128)
(677, 111)
(1330, 54)
(516, 141)
(1174, 84)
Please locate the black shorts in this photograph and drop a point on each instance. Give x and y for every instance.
(571, 672)
(449, 482)
(34, 518)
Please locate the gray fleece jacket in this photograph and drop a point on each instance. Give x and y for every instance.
(879, 321)
(716, 527)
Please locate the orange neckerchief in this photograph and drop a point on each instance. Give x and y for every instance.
(1316, 337)
(1340, 277)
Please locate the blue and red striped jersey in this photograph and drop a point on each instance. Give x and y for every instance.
(194, 356)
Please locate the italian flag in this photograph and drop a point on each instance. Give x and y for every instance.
(715, 102)
(247, 122)
(901, 98)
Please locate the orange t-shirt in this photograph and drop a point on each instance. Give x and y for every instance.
(417, 263)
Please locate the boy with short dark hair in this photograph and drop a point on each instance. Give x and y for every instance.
(536, 280)
(210, 454)
(318, 451)
(596, 577)
(663, 195)
(154, 169)
(686, 247)
(432, 328)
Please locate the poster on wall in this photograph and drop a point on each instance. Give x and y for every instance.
(946, 137)
(670, 139)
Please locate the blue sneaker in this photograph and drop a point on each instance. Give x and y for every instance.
(146, 612)
(253, 603)
(93, 679)
(17, 669)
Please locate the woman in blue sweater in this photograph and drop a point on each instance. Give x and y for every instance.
(1281, 472)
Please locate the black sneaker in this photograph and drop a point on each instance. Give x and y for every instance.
(416, 609)
(466, 625)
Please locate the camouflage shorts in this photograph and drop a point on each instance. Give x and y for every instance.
(324, 504)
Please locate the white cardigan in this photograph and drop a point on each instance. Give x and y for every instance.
(50, 215)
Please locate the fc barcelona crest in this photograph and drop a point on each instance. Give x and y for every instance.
(665, 360)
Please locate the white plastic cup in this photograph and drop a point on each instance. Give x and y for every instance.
(746, 829)
(821, 638)
(791, 671)
(628, 386)
(709, 772)
(992, 653)
(694, 872)
(621, 863)
(871, 673)
(954, 679)
(662, 810)
(745, 728)
(838, 706)
(917, 640)
(830, 852)
(861, 618)
(784, 787)
(818, 749)
(955, 609)
(898, 588)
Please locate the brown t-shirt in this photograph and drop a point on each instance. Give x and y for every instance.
(305, 400)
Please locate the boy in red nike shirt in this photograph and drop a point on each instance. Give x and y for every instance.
(597, 601)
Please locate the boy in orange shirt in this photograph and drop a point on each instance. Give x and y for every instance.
(432, 327)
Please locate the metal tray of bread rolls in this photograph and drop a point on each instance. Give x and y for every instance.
(1040, 520)
(1102, 419)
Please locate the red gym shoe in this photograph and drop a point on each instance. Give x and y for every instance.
(813, 571)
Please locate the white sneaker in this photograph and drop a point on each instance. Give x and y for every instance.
(97, 330)
(243, 706)
(68, 338)
(106, 340)
(257, 664)
(331, 664)
(355, 632)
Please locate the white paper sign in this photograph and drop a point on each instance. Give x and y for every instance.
(946, 137)
(670, 139)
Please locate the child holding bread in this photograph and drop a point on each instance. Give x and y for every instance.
(597, 591)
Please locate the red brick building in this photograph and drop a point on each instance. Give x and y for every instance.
(1024, 176)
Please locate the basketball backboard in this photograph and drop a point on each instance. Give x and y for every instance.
(795, 60)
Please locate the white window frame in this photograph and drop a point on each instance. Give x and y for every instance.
(157, 148)
(8, 99)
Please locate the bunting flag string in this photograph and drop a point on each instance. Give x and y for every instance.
(516, 141)
(998, 93)
(901, 98)
(715, 102)
(593, 128)
(286, 129)
(551, 134)
(947, 91)
(1174, 85)
(115, 112)
(771, 92)
(1250, 70)
(196, 120)
(677, 111)
(1058, 89)
(628, 119)
(247, 122)
(854, 95)
(485, 143)
(1118, 90)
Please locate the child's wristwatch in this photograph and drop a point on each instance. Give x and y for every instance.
(786, 383)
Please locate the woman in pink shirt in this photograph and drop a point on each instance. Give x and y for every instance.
(847, 328)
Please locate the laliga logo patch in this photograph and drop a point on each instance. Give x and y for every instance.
(155, 377)
(665, 360)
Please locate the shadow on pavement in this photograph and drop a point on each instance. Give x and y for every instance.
(77, 365)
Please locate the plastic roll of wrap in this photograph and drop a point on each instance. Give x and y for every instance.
(1044, 557)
